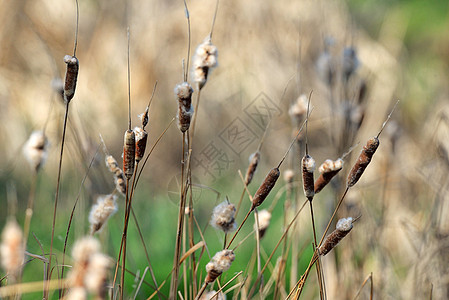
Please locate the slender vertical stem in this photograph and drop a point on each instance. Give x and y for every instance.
(182, 203)
(56, 199)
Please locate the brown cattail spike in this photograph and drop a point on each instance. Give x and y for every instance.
(129, 150)
(221, 262)
(344, 226)
(183, 94)
(308, 167)
(71, 76)
(266, 187)
(253, 162)
(363, 161)
(328, 170)
(141, 142)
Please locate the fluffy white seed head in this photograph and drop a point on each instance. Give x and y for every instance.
(36, 149)
(105, 207)
(12, 252)
(344, 224)
(309, 163)
(223, 217)
(96, 275)
(204, 59)
(264, 221)
(209, 295)
(221, 262)
(289, 174)
(298, 109)
(76, 293)
(330, 165)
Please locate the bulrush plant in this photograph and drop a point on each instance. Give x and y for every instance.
(221, 262)
(71, 77)
(100, 212)
(12, 251)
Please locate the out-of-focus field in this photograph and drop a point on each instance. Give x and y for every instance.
(265, 49)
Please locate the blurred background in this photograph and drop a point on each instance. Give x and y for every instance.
(358, 58)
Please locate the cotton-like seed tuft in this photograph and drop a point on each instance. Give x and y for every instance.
(204, 59)
(141, 142)
(90, 268)
(119, 177)
(76, 293)
(221, 262)
(183, 92)
(209, 295)
(105, 207)
(97, 274)
(12, 252)
(298, 109)
(289, 175)
(264, 221)
(328, 170)
(36, 149)
(223, 217)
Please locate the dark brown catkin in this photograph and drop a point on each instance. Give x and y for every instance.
(308, 166)
(363, 161)
(183, 94)
(129, 150)
(253, 162)
(141, 142)
(344, 226)
(71, 76)
(266, 187)
(328, 170)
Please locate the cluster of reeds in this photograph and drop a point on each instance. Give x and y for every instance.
(195, 273)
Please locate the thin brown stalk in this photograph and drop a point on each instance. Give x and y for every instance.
(276, 247)
(257, 233)
(56, 196)
(72, 214)
(369, 278)
(182, 203)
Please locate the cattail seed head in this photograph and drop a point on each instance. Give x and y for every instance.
(97, 274)
(12, 252)
(129, 151)
(350, 62)
(183, 92)
(221, 262)
(308, 167)
(211, 296)
(266, 187)
(36, 150)
(71, 76)
(105, 207)
(223, 217)
(119, 177)
(90, 267)
(363, 161)
(298, 109)
(344, 226)
(141, 142)
(328, 170)
(205, 59)
(289, 175)
(253, 162)
(76, 293)
(264, 221)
